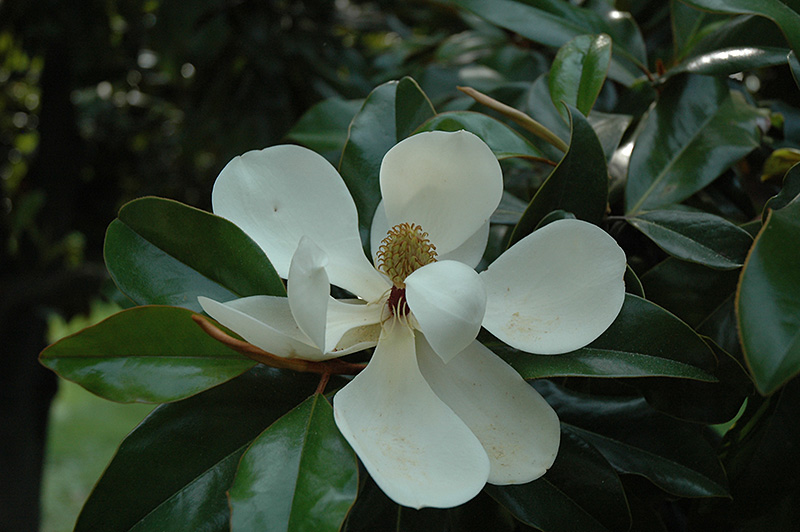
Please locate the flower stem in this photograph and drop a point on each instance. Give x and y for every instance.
(329, 367)
(517, 116)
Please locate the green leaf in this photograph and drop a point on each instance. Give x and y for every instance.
(504, 141)
(145, 354)
(579, 71)
(673, 455)
(727, 61)
(609, 129)
(794, 65)
(579, 492)
(644, 341)
(323, 128)
(768, 301)
(696, 130)
(554, 23)
(393, 109)
(172, 472)
(161, 252)
(688, 290)
(696, 237)
(789, 191)
(299, 474)
(579, 184)
(786, 18)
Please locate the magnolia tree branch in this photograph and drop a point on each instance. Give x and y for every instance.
(326, 367)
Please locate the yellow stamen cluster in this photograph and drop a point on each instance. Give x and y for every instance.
(405, 249)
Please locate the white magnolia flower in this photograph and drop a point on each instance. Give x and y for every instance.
(435, 414)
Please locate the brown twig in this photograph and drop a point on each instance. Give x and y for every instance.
(517, 116)
(325, 367)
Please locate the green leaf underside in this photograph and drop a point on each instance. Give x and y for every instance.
(695, 237)
(672, 454)
(768, 300)
(146, 354)
(147, 486)
(696, 130)
(579, 184)
(161, 252)
(503, 141)
(299, 474)
(580, 491)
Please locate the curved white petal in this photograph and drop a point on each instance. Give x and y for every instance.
(518, 429)
(449, 183)
(418, 451)
(351, 326)
(266, 322)
(278, 194)
(471, 251)
(448, 300)
(378, 231)
(309, 290)
(557, 289)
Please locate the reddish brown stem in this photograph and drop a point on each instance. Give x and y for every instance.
(326, 367)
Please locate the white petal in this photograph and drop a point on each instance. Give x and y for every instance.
(449, 183)
(352, 326)
(471, 251)
(309, 290)
(557, 289)
(265, 322)
(448, 300)
(279, 194)
(378, 231)
(518, 429)
(417, 450)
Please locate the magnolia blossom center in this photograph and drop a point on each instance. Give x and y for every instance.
(405, 249)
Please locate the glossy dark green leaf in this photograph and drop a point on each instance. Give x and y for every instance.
(554, 23)
(786, 18)
(509, 211)
(579, 71)
(637, 440)
(729, 61)
(579, 492)
(323, 128)
(760, 457)
(696, 130)
(789, 191)
(701, 402)
(172, 472)
(504, 141)
(609, 129)
(794, 65)
(392, 109)
(161, 252)
(553, 216)
(688, 290)
(632, 283)
(695, 237)
(299, 474)
(768, 300)
(644, 341)
(579, 184)
(145, 354)
(687, 25)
